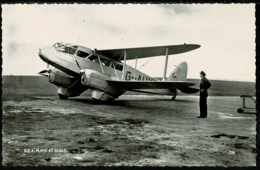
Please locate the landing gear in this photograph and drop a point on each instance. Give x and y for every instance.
(239, 110)
(174, 94)
(63, 97)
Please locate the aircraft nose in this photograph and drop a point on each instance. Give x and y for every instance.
(46, 54)
(42, 56)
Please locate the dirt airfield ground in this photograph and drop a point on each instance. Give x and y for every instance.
(135, 130)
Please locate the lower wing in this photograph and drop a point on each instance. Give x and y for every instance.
(129, 85)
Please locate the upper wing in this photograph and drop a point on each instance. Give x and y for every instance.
(143, 52)
(129, 85)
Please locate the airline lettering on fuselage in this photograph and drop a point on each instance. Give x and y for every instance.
(128, 76)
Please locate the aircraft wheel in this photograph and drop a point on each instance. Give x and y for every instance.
(173, 97)
(239, 110)
(63, 97)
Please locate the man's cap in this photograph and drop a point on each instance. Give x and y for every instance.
(203, 73)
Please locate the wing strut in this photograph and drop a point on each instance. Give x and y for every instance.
(123, 74)
(100, 63)
(115, 70)
(135, 65)
(165, 65)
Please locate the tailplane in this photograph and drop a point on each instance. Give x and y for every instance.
(179, 73)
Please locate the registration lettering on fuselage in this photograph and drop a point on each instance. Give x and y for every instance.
(128, 76)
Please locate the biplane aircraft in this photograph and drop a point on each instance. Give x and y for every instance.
(105, 72)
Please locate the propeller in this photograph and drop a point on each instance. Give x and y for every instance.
(80, 70)
(78, 64)
(46, 72)
(84, 79)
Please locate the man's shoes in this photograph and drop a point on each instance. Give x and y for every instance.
(200, 117)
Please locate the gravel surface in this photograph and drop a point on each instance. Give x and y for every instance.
(135, 130)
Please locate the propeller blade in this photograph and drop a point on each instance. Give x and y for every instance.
(78, 64)
(80, 70)
(45, 73)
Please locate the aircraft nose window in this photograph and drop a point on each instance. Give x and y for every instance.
(56, 45)
(65, 48)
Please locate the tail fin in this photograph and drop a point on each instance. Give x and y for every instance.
(179, 73)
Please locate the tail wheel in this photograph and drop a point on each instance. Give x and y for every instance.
(239, 110)
(63, 97)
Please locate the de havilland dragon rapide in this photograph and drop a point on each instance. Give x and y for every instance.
(105, 72)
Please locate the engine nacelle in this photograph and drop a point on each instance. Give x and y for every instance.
(98, 81)
(64, 92)
(94, 79)
(100, 95)
(67, 86)
(60, 79)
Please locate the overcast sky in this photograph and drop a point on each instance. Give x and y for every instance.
(226, 33)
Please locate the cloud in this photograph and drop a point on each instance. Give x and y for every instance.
(175, 9)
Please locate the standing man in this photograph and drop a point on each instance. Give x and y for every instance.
(204, 86)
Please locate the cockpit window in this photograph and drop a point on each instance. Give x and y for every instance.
(72, 49)
(82, 54)
(65, 48)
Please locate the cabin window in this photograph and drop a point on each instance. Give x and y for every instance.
(93, 58)
(82, 54)
(103, 61)
(117, 66)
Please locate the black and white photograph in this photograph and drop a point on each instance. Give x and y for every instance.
(129, 85)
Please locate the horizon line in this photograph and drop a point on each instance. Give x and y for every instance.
(218, 79)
